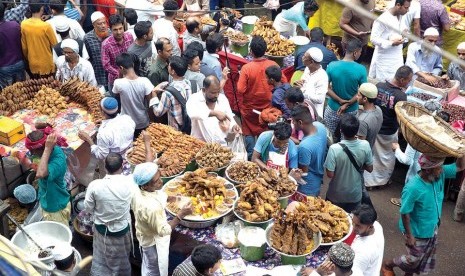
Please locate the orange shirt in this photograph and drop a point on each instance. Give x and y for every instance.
(107, 7)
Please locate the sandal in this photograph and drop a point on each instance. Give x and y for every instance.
(387, 272)
(396, 201)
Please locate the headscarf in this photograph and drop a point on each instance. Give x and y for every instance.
(144, 172)
(25, 193)
(109, 105)
(31, 145)
(70, 43)
(341, 255)
(427, 162)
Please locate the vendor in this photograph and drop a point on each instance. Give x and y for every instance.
(53, 195)
(205, 260)
(339, 263)
(27, 197)
(456, 71)
(150, 219)
(196, 7)
(274, 149)
(286, 22)
(65, 258)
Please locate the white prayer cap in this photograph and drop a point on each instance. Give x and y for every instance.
(461, 46)
(315, 53)
(431, 32)
(70, 43)
(96, 16)
(62, 251)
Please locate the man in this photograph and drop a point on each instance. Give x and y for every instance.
(193, 67)
(214, 44)
(63, 30)
(65, 258)
(142, 47)
(71, 65)
(115, 134)
(192, 33)
(387, 57)
(210, 113)
(109, 201)
(11, 57)
(133, 91)
(26, 195)
(273, 77)
(53, 195)
(456, 71)
(345, 186)
(158, 72)
(371, 116)
(113, 46)
(420, 212)
(286, 22)
(424, 62)
(146, 10)
(434, 14)
(389, 93)
(131, 19)
(205, 260)
(37, 40)
(311, 150)
(345, 77)
(58, 9)
(411, 17)
(204, 68)
(177, 68)
(316, 41)
(355, 25)
(93, 41)
(16, 13)
(164, 26)
(256, 93)
(314, 81)
(368, 244)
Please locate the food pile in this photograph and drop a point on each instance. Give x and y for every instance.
(207, 20)
(456, 112)
(380, 5)
(442, 83)
(278, 181)
(236, 37)
(169, 164)
(423, 96)
(292, 234)
(214, 156)
(277, 46)
(454, 18)
(460, 25)
(257, 203)
(18, 213)
(459, 5)
(333, 48)
(243, 171)
(47, 101)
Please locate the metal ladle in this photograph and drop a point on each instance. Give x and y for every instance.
(24, 231)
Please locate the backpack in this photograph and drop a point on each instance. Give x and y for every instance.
(186, 121)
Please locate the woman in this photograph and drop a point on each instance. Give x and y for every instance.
(274, 149)
(286, 22)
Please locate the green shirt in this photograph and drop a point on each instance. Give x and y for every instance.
(53, 195)
(158, 72)
(345, 78)
(422, 201)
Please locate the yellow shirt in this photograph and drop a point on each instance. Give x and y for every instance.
(37, 40)
(149, 212)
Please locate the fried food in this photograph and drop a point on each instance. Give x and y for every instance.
(257, 203)
(459, 5)
(214, 156)
(276, 45)
(207, 20)
(18, 213)
(243, 171)
(47, 101)
(170, 164)
(236, 37)
(278, 181)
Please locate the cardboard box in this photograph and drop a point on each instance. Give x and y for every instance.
(11, 131)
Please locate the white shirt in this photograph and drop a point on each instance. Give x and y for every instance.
(204, 127)
(145, 10)
(315, 88)
(75, 29)
(114, 135)
(164, 28)
(109, 200)
(83, 70)
(369, 251)
(413, 12)
(355, 272)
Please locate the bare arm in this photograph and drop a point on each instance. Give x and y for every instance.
(256, 159)
(329, 173)
(42, 170)
(460, 164)
(148, 148)
(416, 27)
(408, 232)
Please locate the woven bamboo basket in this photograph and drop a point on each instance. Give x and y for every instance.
(422, 141)
(83, 235)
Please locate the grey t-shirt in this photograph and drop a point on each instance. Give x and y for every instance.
(132, 94)
(195, 76)
(144, 53)
(370, 124)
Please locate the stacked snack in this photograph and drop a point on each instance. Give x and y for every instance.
(242, 171)
(257, 203)
(47, 101)
(214, 156)
(170, 164)
(277, 46)
(278, 181)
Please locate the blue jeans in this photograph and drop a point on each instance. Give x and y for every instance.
(249, 145)
(12, 73)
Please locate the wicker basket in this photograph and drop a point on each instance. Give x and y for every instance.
(421, 140)
(83, 235)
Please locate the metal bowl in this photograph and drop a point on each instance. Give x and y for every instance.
(284, 200)
(197, 224)
(261, 224)
(351, 228)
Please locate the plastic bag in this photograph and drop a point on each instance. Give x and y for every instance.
(227, 233)
(238, 148)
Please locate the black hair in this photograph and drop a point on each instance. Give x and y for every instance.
(131, 16)
(58, 6)
(258, 46)
(401, 2)
(159, 44)
(179, 65)
(403, 72)
(349, 125)
(316, 34)
(142, 28)
(310, 5)
(2, 11)
(444, 115)
(209, 80)
(113, 162)
(35, 5)
(301, 112)
(195, 45)
(192, 24)
(170, 7)
(214, 41)
(204, 257)
(65, 263)
(64, 34)
(115, 19)
(366, 214)
(345, 269)
(189, 55)
(35, 136)
(294, 95)
(282, 131)
(354, 45)
(125, 60)
(273, 72)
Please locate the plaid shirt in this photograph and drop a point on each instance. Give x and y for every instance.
(110, 50)
(17, 13)
(169, 103)
(94, 48)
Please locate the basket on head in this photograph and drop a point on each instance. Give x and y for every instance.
(420, 139)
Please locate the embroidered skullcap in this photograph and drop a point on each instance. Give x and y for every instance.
(341, 255)
(96, 16)
(368, 90)
(109, 105)
(144, 172)
(431, 31)
(427, 162)
(70, 43)
(461, 46)
(316, 54)
(25, 194)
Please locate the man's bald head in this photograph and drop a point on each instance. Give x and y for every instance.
(210, 80)
(193, 25)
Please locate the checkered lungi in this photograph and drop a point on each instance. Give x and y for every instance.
(331, 119)
(420, 258)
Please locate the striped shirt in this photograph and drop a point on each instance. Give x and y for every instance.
(94, 48)
(186, 268)
(17, 13)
